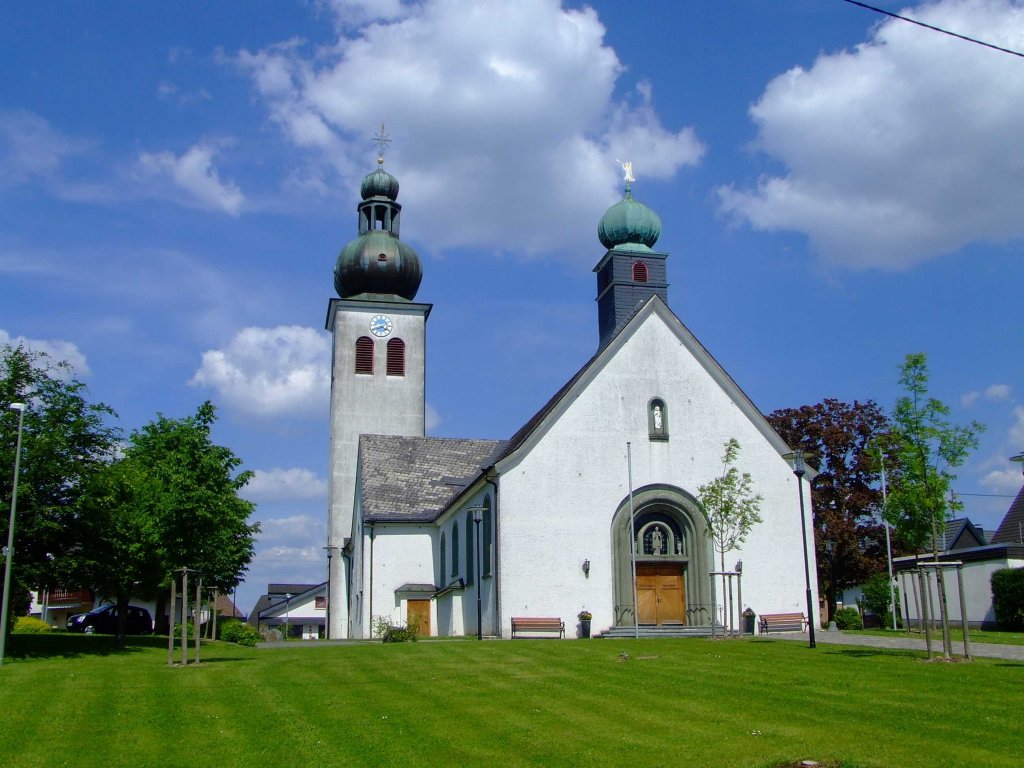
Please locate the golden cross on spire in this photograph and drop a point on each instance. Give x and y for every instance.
(382, 140)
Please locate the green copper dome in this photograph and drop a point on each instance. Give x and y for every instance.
(377, 264)
(629, 225)
(379, 183)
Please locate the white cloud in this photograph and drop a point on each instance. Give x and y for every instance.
(31, 149)
(193, 173)
(284, 484)
(57, 349)
(903, 149)
(501, 112)
(1003, 480)
(271, 371)
(432, 419)
(968, 399)
(999, 392)
(1016, 431)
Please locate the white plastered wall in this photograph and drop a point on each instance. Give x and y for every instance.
(558, 496)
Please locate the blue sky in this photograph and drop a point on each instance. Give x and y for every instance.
(836, 189)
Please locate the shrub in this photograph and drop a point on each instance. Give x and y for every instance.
(876, 595)
(191, 632)
(849, 618)
(394, 633)
(1008, 597)
(28, 625)
(234, 631)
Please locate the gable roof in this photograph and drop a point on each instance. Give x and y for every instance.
(281, 605)
(275, 593)
(412, 479)
(654, 305)
(960, 533)
(1009, 530)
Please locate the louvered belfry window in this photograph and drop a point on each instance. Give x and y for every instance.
(639, 272)
(364, 355)
(396, 357)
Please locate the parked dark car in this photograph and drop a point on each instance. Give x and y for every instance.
(104, 619)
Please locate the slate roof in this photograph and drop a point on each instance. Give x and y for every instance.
(412, 479)
(1009, 531)
(275, 594)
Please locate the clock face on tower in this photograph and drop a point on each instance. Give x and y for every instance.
(380, 325)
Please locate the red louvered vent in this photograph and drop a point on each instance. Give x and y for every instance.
(364, 355)
(396, 357)
(639, 272)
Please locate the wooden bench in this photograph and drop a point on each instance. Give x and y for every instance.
(535, 624)
(782, 622)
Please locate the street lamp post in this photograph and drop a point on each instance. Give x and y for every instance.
(287, 615)
(798, 459)
(330, 549)
(20, 408)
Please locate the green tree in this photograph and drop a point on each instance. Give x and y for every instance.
(846, 502)
(66, 440)
(170, 502)
(730, 506)
(929, 448)
(203, 522)
(121, 553)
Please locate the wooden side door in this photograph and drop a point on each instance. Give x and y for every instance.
(418, 611)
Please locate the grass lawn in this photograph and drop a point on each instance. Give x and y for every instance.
(977, 635)
(71, 700)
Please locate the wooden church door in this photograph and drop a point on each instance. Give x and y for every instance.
(660, 592)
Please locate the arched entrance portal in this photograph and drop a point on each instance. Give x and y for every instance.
(673, 559)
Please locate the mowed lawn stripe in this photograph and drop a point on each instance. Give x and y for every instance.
(650, 702)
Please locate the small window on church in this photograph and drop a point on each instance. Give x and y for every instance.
(488, 536)
(364, 355)
(657, 419)
(382, 257)
(469, 548)
(455, 549)
(396, 357)
(444, 559)
(639, 272)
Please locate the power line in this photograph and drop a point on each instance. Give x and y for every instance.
(933, 28)
(988, 495)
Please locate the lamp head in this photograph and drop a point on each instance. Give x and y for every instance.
(798, 460)
(17, 407)
(1019, 458)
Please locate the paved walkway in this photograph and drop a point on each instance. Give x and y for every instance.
(902, 642)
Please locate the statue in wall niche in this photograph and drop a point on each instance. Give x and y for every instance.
(657, 540)
(657, 418)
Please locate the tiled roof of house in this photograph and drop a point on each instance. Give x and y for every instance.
(1009, 530)
(412, 479)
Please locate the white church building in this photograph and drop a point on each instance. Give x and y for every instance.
(462, 536)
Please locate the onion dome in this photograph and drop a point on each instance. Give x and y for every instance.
(380, 183)
(377, 264)
(629, 226)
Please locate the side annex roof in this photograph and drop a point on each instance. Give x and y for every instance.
(412, 479)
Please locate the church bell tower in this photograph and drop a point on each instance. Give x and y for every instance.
(378, 360)
(630, 272)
